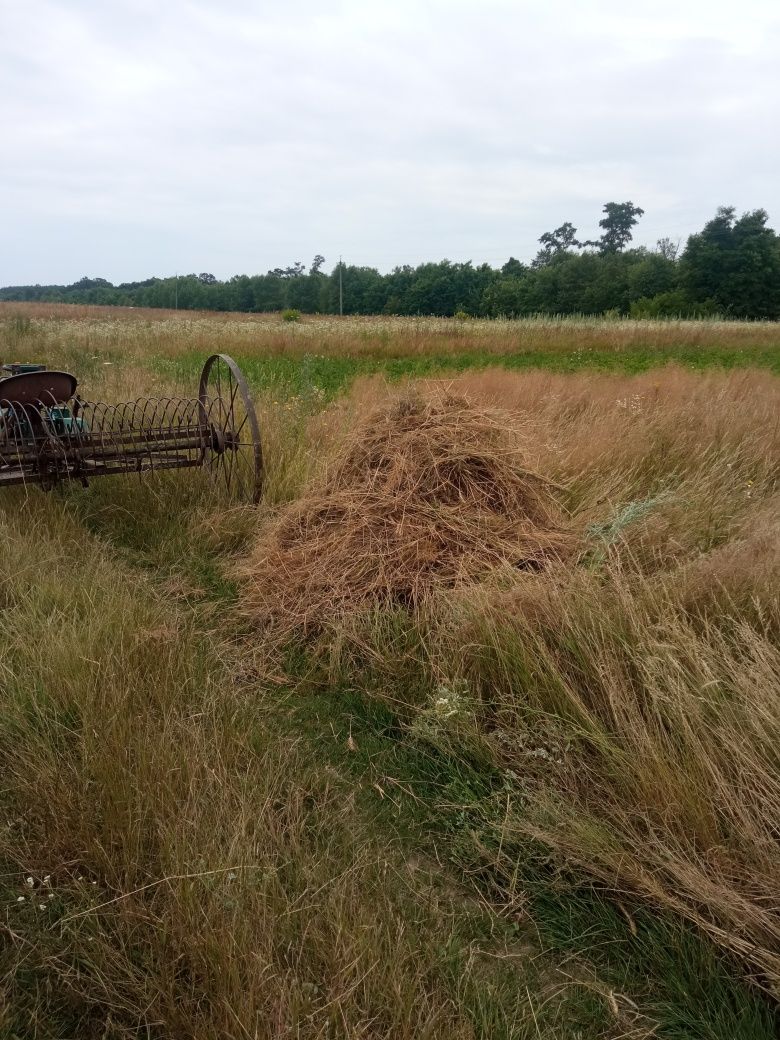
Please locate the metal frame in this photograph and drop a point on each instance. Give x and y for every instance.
(46, 441)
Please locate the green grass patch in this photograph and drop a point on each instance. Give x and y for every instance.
(299, 376)
(674, 977)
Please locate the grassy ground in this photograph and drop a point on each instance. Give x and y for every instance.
(204, 836)
(402, 344)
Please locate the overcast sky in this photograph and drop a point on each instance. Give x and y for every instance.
(143, 137)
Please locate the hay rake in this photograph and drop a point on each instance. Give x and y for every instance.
(48, 435)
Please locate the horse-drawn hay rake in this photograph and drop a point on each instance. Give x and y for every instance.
(48, 435)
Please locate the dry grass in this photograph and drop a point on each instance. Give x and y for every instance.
(643, 677)
(658, 733)
(246, 881)
(194, 871)
(144, 333)
(425, 495)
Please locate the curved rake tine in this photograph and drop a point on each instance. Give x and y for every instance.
(50, 439)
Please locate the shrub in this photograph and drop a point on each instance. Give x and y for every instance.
(291, 314)
(673, 304)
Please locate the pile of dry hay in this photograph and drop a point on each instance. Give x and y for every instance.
(425, 495)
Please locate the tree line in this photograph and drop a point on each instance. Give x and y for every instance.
(730, 268)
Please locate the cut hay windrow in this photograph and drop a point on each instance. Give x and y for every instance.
(426, 494)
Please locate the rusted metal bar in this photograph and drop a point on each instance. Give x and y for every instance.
(48, 435)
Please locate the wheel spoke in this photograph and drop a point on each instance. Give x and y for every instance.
(243, 424)
(227, 409)
(230, 462)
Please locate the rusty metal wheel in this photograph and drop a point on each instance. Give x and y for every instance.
(232, 453)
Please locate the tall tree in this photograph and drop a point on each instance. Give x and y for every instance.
(618, 220)
(556, 243)
(736, 263)
(513, 268)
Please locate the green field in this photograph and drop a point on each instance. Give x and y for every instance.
(525, 805)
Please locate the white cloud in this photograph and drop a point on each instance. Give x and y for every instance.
(141, 138)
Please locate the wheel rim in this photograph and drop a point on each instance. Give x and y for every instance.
(232, 453)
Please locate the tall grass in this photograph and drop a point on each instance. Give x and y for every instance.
(206, 859)
(631, 699)
(130, 332)
(176, 861)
